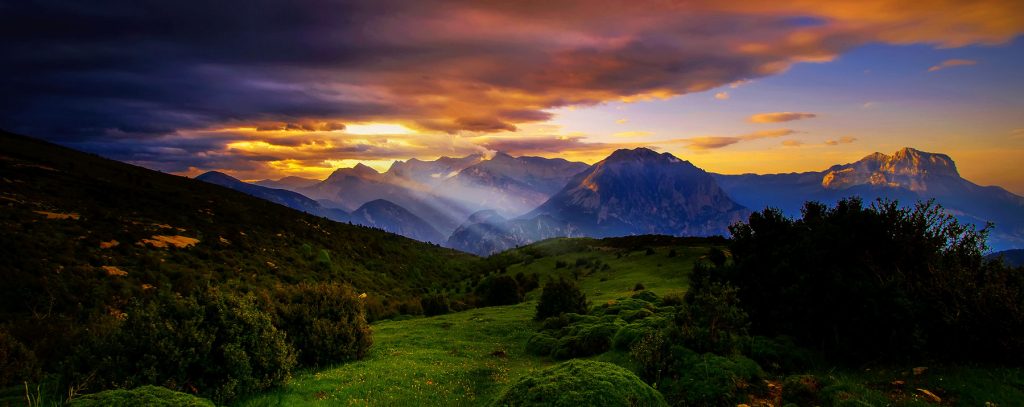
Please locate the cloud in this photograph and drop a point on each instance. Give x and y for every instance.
(622, 121)
(715, 142)
(779, 117)
(792, 143)
(722, 95)
(1017, 134)
(841, 140)
(128, 79)
(634, 133)
(951, 63)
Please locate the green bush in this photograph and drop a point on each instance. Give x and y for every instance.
(580, 383)
(324, 322)
(712, 319)
(780, 355)
(436, 304)
(849, 394)
(585, 340)
(217, 344)
(17, 362)
(560, 296)
(499, 290)
(646, 296)
(686, 377)
(541, 344)
(801, 390)
(149, 396)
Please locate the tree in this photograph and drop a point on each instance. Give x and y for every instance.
(561, 296)
(859, 282)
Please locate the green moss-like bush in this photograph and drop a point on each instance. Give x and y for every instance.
(324, 322)
(689, 378)
(218, 344)
(561, 296)
(150, 396)
(779, 355)
(541, 344)
(499, 290)
(436, 304)
(580, 383)
(801, 390)
(848, 394)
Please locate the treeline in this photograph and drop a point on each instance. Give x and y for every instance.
(215, 343)
(877, 282)
(849, 285)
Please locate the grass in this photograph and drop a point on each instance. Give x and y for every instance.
(468, 358)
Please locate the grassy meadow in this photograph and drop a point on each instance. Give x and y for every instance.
(467, 358)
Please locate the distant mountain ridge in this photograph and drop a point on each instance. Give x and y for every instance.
(284, 197)
(908, 175)
(483, 204)
(631, 192)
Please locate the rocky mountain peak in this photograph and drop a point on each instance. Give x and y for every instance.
(907, 168)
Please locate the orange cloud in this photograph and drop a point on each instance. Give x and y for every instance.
(715, 142)
(951, 63)
(841, 140)
(780, 117)
(722, 95)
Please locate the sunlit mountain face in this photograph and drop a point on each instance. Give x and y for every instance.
(446, 108)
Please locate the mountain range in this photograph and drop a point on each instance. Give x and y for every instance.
(487, 204)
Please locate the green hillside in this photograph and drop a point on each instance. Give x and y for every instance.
(469, 358)
(82, 236)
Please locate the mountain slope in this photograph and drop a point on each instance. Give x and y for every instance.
(430, 173)
(350, 188)
(290, 183)
(386, 215)
(510, 185)
(631, 192)
(642, 192)
(83, 236)
(284, 197)
(486, 232)
(908, 176)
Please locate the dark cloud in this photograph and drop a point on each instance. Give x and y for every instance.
(140, 71)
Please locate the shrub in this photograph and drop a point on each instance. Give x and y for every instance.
(707, 379)
(541, 344)
(580, 383)
(801, 389)
(850, 394)
(712, 319)
(150, 396)
(560, 296)
(585, 340)
(324, 322)
(779, 355)
(628, 336)
(527, 282)
(436, 304)
(639, 287)
(499, 290)
(646, 296)
(17, 362)
(219, 345)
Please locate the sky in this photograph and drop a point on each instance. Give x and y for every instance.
(265, 89)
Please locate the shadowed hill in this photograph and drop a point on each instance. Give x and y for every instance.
(84, 235)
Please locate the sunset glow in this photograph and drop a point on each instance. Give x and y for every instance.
(804, 84)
